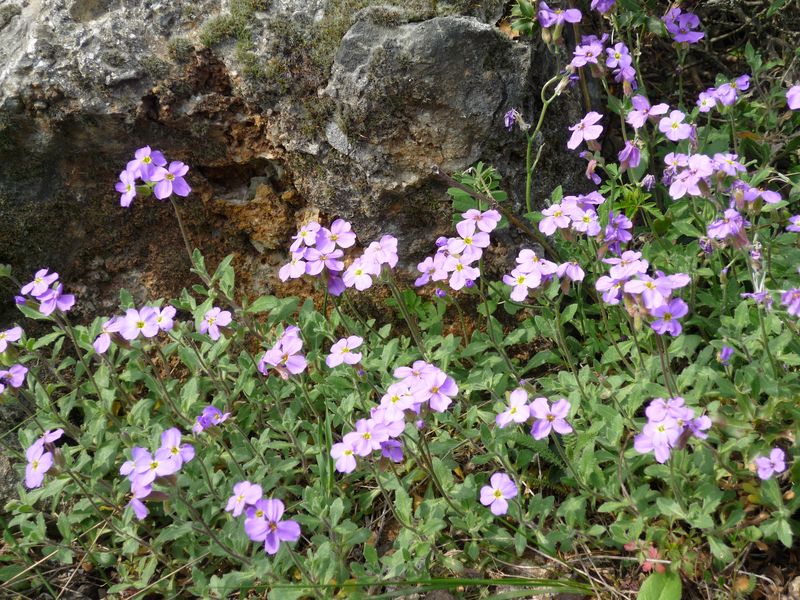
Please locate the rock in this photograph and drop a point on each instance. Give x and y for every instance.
(282, 109)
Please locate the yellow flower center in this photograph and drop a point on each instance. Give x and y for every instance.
(498, 494)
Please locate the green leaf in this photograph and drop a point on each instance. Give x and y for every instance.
(661, 586)
(336, 510)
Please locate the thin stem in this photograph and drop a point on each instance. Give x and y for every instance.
(412, 324)
(185, 237)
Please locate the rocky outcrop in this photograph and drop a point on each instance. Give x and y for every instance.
(283, 109)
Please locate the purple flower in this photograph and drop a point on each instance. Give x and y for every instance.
(724, 356)
(52, 435)
(442, 389)
(13, 376)
(660, 409)
(170, 180)
(316, 261)
(165, 318)
(602, 6)
(667, 316)
(340, 234)
(794, 224)
(342, 352)
(213, 320)
(306, 236)
(484, 221)
(393, 450)
(793, 97)
(9, 335)
(171, 441)
(55, 299)
(728, 93)
(572, 270)
(555, 217)
(767, 466)
(366, 438)
(244, 494)
(135, 322)
(732, 225)
(616, 232)
(138, 493)
(285, 355)
(658, 437)
(681, 26)
(461, 271)
(588, 52)
(642, 111)
(264, 524)
(127, 187)
(496, 495)
(510, 119)
(585, 130)
(673, 126)
(295, 268)
(41, 283)
(145, 162)
(629, 156)
(210, 416)
(103, 341)
(518, 410)
(549, 418)
(706, 101)
(440, 293)
(617, 55)
(39, 462)
(548, 17)
(791, 300)
(358, 275)
(344, 455)
(147, 466)
(521, 283)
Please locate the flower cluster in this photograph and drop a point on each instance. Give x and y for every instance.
(285, 356)
(40, 458)
(144, 469)
(642, 294)
(417, 385)
(147, 322)
(455, 257)
(262, 522)
(682, 25)
(669, 425)
(617, 58)
(48, 292)
(726, 94)
(545, 418)
(151, 167)
(210, 417)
